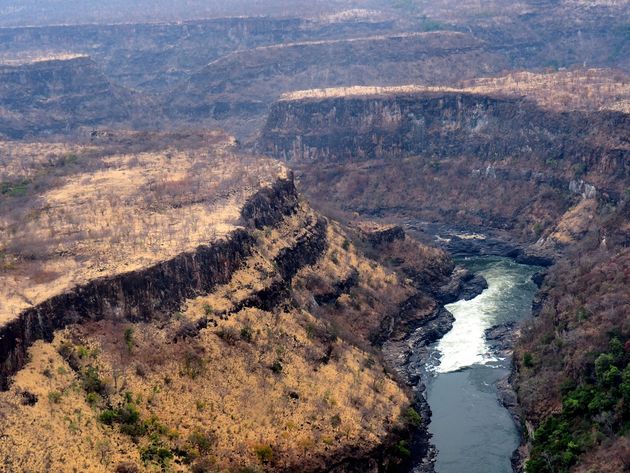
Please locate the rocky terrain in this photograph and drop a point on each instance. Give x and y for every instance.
(209, 341)
(521, 165)
(357, 145)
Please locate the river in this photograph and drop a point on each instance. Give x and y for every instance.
(472, 431)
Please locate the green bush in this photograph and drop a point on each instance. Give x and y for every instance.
(598, 401)
(412, 417)
(156, 452)
(128, 337)
(54, 397)
(247, 334)
(202, 442)
(91, 381)
(277, 367)
(528, 360)
(402, 449)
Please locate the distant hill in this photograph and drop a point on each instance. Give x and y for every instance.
(47, 12)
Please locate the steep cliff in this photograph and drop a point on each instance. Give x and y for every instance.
(471, 158)
(551, 171)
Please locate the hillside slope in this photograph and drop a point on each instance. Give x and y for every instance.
(218, 347)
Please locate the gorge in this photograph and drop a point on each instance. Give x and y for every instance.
(376, 236)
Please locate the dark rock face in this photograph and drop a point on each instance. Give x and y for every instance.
(463, 284)
(145, 294)
(538, 278)
(441, 124)
(269, 205)
(385, 236)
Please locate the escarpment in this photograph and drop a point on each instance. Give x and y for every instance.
(245, 83)
(227, 355)
(145, 294)
(470, 158)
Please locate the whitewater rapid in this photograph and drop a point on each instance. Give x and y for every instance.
(472, 431)
(465, 345)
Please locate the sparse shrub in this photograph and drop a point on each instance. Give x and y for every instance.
(202, 441)
(92, 382)
(229, 335)
(247, 334)
(579, 169)
(128, 337)
(29, 398)
(54, 397)
(141, 370)
(528, 360)
(401, 449)
(277, 367)
(207, 310)
(203, 465)
(194, 365)
(335, 421)
(264, 453)
(83, 352)
(249, 469)
(155, 452)
(128, 417)
(127, 467)
(70, 356)
(582, 314)
(93, 399)
(108, 417)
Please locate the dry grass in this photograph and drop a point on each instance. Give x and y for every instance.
(70, 214)
(254, 379)
(590, 89)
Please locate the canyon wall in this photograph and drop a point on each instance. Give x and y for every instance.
(455, 156)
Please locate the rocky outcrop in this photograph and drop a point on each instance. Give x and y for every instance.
(149, 293)
(443, 125)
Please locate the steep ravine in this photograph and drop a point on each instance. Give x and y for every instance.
(486, 174)
(215, 281)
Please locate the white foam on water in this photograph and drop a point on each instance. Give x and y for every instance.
(465, 345)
